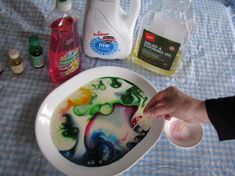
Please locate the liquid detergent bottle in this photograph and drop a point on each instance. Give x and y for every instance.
(108, 29)
(161, 39)
(65, 50)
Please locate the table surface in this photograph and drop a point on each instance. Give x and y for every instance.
(207, 71)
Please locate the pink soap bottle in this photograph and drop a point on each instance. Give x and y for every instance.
(65, 50)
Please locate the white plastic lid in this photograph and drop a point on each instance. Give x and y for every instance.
(13, 53)
(64, 5)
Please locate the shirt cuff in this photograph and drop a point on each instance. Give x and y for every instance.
(221, 113)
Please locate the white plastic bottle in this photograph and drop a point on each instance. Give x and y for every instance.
(108, 29)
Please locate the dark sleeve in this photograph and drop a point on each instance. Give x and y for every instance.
(221, 113)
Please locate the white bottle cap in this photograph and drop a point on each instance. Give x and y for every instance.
(64, 5)
(13, 53)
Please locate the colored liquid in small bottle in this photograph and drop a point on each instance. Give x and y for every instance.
(36, 52)
(64, 49)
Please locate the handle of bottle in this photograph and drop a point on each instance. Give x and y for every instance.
(132, 16)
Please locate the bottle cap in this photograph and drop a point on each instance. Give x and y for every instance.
(13, 53)
(64, 5)
(34, 40)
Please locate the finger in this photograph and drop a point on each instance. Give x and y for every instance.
(155, 106)
(155, 103)
(157, 111)
(156, 99)
(150, 104)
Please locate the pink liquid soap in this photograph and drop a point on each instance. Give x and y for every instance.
(65, 52)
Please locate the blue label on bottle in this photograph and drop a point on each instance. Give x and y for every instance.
(104, 46)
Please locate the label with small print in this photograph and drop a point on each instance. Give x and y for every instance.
(37, 61)
(157, 51)
(18, 69)
(70, 62)
(104, 44)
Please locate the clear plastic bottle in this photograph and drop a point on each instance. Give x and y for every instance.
(65, 50)
(162, 36)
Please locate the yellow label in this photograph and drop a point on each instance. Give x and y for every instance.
(153, 68)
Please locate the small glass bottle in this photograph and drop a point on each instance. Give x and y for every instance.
(35, 52)
(15, 61)
(161, 41)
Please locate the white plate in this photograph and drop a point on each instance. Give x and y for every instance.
(45, 113)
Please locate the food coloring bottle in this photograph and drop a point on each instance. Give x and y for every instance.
(35, 52)
(15, 61)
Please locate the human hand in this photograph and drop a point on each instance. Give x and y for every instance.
(172, 102)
